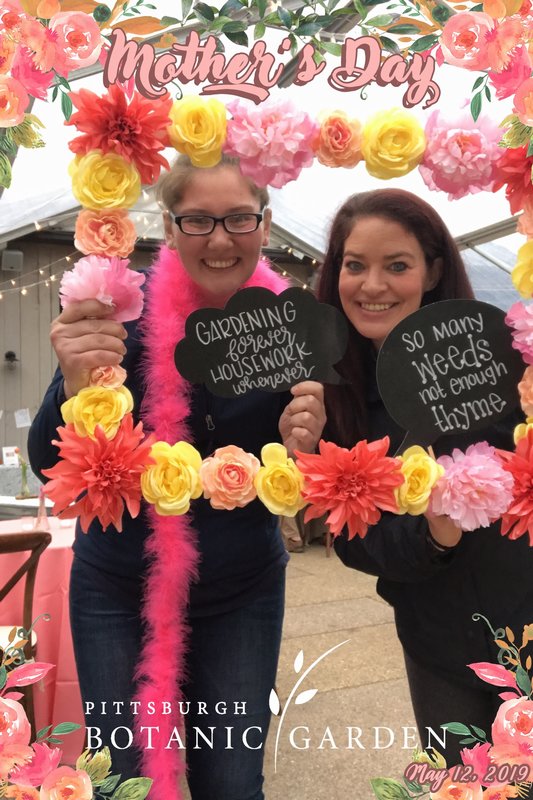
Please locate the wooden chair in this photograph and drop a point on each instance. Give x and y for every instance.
(34, 542)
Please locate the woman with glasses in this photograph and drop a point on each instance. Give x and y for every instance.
(216, 221)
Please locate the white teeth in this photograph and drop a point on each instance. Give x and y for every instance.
(376, 306)
(221, 264)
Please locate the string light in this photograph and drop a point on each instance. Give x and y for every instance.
(24, 291)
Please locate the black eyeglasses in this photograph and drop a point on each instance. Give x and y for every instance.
(202, 224)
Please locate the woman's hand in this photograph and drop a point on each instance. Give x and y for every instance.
(303, 420)
(444, 531)
(83, 338)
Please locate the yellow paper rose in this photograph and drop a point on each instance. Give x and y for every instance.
(97, 405)
(279, 482)
(393, 143)
(522, 429)
(420, 472)
(174, 480)
(104, 181)
(198, 129)
(522, 274)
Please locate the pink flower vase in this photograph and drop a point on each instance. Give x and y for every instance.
(41, 521)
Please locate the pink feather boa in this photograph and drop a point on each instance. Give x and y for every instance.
(171, 546)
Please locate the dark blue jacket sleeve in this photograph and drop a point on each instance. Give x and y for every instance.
(42, 453)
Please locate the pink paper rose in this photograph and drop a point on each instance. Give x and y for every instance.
(66, 782)
(79, 38)
(35, 81)
(14, 101)
(108, 377)
(463, 39)
(43, 43)
(507, 81)
(228, 477)
(45, 759)
(105, 279)
(512, 733)
(461, 155)
(14, 725)
(520, 318)
(273, 141)
(105, 233)
(525, 389)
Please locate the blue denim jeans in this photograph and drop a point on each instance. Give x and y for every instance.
(231, 664)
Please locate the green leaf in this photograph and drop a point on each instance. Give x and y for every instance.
(478, 82)
(530, 148)
(239, 38)
(65, 727)
(259, 30)
(487, 93)
(308, 28)
(475, 106)
(185, 8)
(331, 47)
(441, 14)
(389, 789)
(389, 44)
(285, 17)
(457, 728)
(382, 20)
(234, 26)
(109, 785)
(3, 677)
(424, 43)
(133, 789)
(318, 58)
(468, 740)
(63, 82)
(479, 732)
(231, 5)
(479, 7)
(66, 106)
(166, 22)
(205, 11)
(403, 29)
(43, 732)
(261, 7)
(54, 740)
(5, 171)
(54, 93)
(523, 681)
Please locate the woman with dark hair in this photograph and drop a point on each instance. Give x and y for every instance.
(390, 253)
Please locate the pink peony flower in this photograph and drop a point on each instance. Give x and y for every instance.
(512, 733)
(45, 759)
(475, 489)
(105, 279)
(44, 45)
(228, 477)
(520, 317)
(274, 141)
(518, 519)
(14, 101)
(78, 37)
(477, 757)
(523, 102)
(12, 756)
(460, 156)
(108, 377)
(507, 81)
(463, 39)
(67, 782)
(34, 80)
(501, 42)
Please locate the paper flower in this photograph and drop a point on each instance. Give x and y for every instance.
(15, 728)
(393, 144)
(43, 43)
(35, 81)
(458, 790)
(228, 477)
(15, 792)
(14, 101)
(198, 129)
(522, 429)
(514, 172)
(512, 733)
(525, 389)
(520, 318)
(66, 782)
(78, 38)
(523, 102)
(475, 489)
(461, 155)
(522, 274)
(507, 81)
(272, 141)
(525, 220)
(135, 130)
(354, 486)
(463, 39)
(7, 54)
(105, 279)
(104, 474)
(477, 757)
(96, 405)
(420, 472)
(45, 759)
(338, 143)
(279, 482)
(519, 516)
(104, 181)
(108, 377)
(105, 233)
(174, 480)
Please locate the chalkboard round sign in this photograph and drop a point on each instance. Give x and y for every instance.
(450, 367)
(261, 340)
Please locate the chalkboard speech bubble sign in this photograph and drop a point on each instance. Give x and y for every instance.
(261, 340)
(448, 368)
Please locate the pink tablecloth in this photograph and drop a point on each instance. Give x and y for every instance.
(57, 697)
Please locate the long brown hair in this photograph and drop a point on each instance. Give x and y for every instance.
(346, 404)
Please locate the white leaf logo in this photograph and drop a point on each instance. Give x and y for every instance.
(273, 703)
(299, 661)
(305, 697)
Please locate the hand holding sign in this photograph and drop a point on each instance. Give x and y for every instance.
(261, 340)
(448, 368)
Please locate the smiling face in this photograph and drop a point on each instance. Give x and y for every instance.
(219, 262)
(383, 277)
